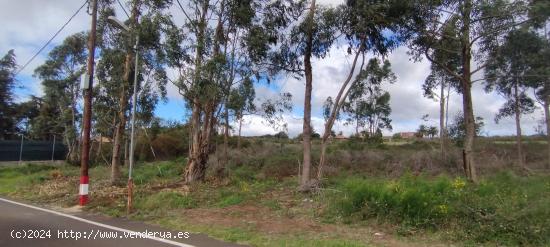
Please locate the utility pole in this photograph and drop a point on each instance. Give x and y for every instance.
(87, 119)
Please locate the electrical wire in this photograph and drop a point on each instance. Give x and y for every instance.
(123, 9)
(50, 40)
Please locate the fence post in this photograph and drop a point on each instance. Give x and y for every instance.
(21, 150)
(53, 147)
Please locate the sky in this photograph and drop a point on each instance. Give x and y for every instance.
(29, 24)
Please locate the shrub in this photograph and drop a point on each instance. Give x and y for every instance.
(504, 208)
(147, 172)
(410, 200)
(168, 145)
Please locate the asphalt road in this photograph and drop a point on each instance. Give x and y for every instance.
(22, 224)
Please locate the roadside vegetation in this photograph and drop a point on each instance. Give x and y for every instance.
(383, 200)
(440, 185)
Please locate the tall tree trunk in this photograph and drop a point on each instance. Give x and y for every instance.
(123, 102)
(126, 150)
(338, 102)
(70, 149)
(226, 136)
(99, 146)
(239, 137)
(547, 117)
(74, 159)
(117, 143)
(521, 162)
(356, 121)
(195, 169)
(442, 128)
(306, 133)
(466, 82)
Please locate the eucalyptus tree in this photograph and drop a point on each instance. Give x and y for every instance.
(289, 36)
(241, 102)
(195, 80)
(457, 128)
(369, 26)
(367, 104)
(477, 26)
(507, 73)
(60, 76)
(422, 131)
(273, 110)
(432, 131)
(7, 85)
(237, 76)
(150, 23)
(541, 84)
(440, 78)
(539, 12)
(220, 34)
(27, 112)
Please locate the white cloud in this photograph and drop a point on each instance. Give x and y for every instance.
(407, 102)
(28, 24)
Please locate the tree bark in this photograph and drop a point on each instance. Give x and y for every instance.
(196, 163)
(466, 82)
(547, 117)
(521, 162)
(226, 136)
(99, 146)
(306, 134)
(194, 169)
(356, 120)
(117, 142)
(239, 137)
(126, 150)
(73, 157)
(442, 128)
(338, 102)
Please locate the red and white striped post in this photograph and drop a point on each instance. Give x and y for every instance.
(83, 191)
(87, 116)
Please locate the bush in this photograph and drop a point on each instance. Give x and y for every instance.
(168, 146)
(411, 201)
(147, 172)
(280, 166)
(504, 208)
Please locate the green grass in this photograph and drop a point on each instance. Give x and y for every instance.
(155, 172)
(255, 238)
(164, 200)
(504, 209)
(16, 177)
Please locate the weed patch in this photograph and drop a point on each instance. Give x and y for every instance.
(504, 208)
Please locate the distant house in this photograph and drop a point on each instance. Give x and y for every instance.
(102, 139)
(407, 135)
(340, 137)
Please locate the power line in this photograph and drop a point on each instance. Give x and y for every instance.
(124, 9)
(53, 37)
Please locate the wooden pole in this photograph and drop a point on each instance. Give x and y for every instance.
(87, 118)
